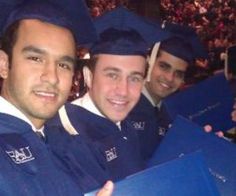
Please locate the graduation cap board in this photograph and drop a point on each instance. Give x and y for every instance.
(208, 102)
(183, 176)
(122, 32)
(189, 37)
(71, 14)
(185, 137)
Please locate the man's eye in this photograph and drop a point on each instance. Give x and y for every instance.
(180, 75)
(136, 79)
(112, 75)
(34, 58)
(164, 66)
(66, 66)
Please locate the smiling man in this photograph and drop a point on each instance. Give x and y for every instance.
(34, 84)
(115, 78)
(169, 62)
(119, 80)
(167, 75)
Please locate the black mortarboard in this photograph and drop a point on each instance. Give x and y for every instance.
(184, 43)
(122, 32)
(71, 14)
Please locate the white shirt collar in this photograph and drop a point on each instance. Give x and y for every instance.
(148, 96)
(7, 108)
(87, 103)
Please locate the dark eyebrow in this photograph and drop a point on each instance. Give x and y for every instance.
(111, 69)
(170, 66)
(118, 70)
(138, 73)
(68, 59)
(41, 51)
(165, 63)
(33, 49)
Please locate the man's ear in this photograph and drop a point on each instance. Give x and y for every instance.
(4, 64)
(87, 76)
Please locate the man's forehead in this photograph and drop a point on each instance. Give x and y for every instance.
(172, 61)
(44, 31)
(48, 38)
(30, 23)
(113, 58)
(121, 63)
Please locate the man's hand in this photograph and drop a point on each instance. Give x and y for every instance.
(107, 189)
(208, 129)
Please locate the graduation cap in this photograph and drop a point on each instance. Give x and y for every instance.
(6, 8)
(122, 32)
(71, 14)
(184, 43)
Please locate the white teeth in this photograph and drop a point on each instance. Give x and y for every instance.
(164, 85)
(118, 102)
(46, 94)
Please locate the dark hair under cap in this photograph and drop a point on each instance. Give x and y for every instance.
(71, 14)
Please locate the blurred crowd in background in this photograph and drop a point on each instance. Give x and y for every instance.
(214, 21)
(97, 7)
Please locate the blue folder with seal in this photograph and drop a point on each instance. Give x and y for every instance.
(184, 176)
(208, 102)
(185, 137)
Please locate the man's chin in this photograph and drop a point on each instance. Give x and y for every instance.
(117, 118)
(162, 96)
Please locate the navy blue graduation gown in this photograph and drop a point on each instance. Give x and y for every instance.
(149, 124)
(77, 158)
(232, 84)
(117, 151)
(27, 166)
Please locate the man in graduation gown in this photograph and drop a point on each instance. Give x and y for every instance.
(169, 61)
(114, 78)
(37, 60)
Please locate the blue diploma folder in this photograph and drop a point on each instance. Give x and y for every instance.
(185, 136)
(185, 176)
(208, 102)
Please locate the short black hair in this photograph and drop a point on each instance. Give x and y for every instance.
(9, 39)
